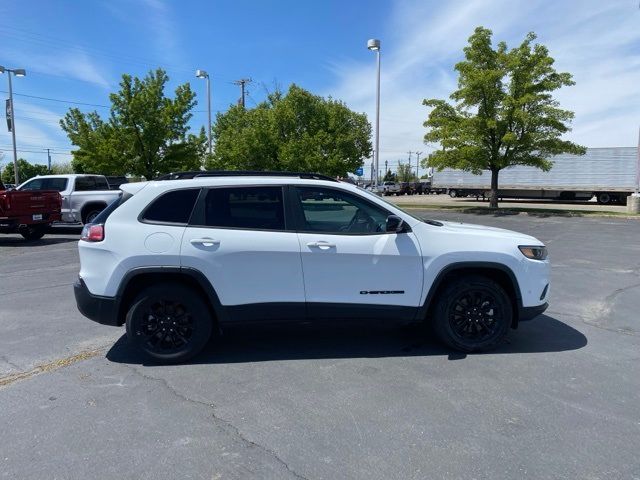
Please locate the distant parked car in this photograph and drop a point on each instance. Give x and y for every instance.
(83, 196)
(390, 188)
(405, 189)
(9, 186)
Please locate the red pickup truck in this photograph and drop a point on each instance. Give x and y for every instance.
(28, 213)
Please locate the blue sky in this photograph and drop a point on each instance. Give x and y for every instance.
(77, 50)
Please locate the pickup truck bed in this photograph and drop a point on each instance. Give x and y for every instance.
(28, 213)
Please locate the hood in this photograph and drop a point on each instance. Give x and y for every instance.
(484, 231)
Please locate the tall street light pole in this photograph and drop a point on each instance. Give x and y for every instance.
(205, 75)
(18, 72)
(374, 45)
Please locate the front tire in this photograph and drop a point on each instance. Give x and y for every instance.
(169, 323)
(472, 314)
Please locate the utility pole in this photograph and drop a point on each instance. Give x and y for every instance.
(49, 159)
(418, 164)
(386, 168)
(410, 168)
(242, 82)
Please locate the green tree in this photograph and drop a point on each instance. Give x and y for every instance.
(405, 173)
(26, 171)
(146, 133)
(61, 168)
(389, 176)
(296, 131)
(504, 112)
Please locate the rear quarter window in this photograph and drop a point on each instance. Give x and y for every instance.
(173, 207)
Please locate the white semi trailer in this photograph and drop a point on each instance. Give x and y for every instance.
(609, 174)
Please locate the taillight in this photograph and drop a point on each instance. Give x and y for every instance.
(92, 233)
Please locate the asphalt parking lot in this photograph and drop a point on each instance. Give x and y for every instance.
(559, 399)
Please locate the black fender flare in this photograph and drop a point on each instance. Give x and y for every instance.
(196, 275)
(424, 309)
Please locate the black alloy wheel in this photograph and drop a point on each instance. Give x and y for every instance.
(167, 326)
(473, 313)
(169, 323)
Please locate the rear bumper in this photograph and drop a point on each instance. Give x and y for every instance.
(103, 310)
(529, 313)
(13, 224)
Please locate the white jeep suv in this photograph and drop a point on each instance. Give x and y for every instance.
(175, 259)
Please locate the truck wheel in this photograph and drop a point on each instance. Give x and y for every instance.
(604, 198)
(473, 314)
(453, 193)
(169, 323)
(33, 232)
(90, 215)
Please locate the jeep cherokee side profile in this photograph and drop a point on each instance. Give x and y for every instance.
(175, 259)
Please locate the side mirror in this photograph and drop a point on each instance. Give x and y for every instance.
(395, 224)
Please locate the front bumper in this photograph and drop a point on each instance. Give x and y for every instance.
(103, 310)
(529, 313)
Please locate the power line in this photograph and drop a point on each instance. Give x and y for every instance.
(59, 100)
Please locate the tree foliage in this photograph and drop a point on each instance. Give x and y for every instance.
(296, 131)
(26, 171)
(146, 133)
(503, 113)
(62, 168)
(405, 173)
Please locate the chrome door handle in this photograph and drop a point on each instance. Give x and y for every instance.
(321, 245)
(206, 242)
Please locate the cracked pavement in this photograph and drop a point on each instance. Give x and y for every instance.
(559, 399)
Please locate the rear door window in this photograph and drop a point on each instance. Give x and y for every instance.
(173, 207)
(85, 184)
(101, 183)
(255, 208)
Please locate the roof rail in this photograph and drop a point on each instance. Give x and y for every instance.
(243, 173)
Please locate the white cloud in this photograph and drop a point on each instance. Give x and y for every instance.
(596, 41)
(66, 64)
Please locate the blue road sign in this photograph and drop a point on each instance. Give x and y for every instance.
(360, 171)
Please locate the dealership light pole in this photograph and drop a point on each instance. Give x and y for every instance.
(205, 75)
(18, 72)
(374, 45)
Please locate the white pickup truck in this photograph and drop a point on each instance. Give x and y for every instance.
(83, 196)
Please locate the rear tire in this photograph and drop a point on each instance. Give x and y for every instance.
(32, 233)
(604, 198)
(472, 314)
(169, 323)
(90, 215)
(453, 193)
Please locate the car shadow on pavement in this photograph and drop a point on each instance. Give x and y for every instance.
(353, 340)
(19, 242)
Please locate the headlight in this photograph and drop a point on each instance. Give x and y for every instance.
(534, 252)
